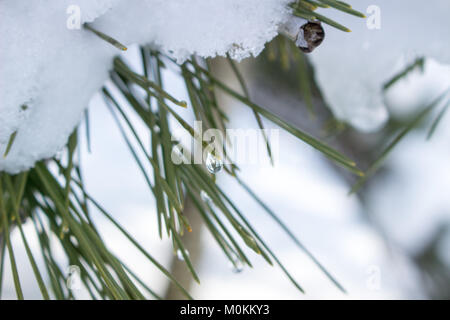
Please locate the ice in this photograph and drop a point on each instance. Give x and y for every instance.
(351, 68)
(50, 72)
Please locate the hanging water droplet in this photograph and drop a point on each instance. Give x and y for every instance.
(205, 197)
(237, 266)
(180, 254)
(213, 163)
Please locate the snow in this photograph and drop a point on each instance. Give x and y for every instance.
(351, 68)
(206, 28)
(417, 90)
(92, 9)
(54, 71)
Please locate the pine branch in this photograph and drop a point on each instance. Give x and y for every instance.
(57, 204)
(306, 9)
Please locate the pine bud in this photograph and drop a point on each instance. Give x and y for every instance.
(307, 35)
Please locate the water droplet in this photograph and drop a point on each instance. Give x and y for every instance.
(213, 163)
(237, 266)
(238, 269)
(205, 197)
(180, 254)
